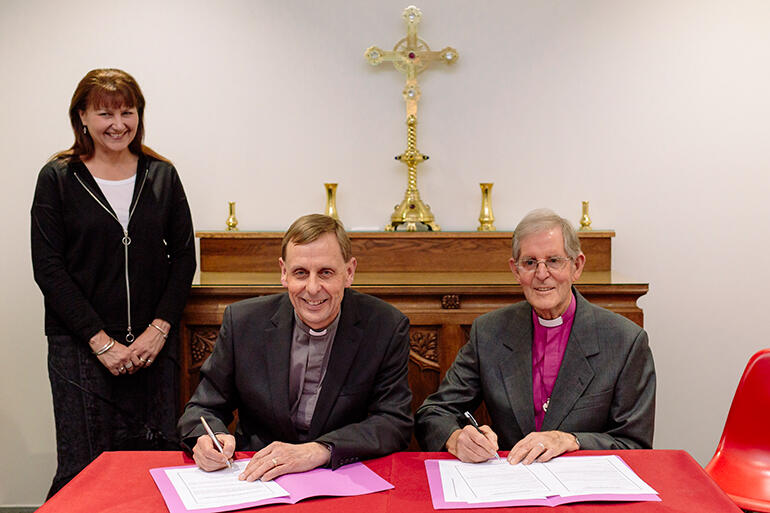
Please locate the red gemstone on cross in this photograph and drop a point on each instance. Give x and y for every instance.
(411, 55)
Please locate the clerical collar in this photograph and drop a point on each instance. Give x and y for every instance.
(566, 316)
(315, 333)
(550, 323)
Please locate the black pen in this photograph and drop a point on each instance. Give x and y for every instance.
(475, 424)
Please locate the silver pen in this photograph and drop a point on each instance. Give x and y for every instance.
(215, 440)
(475, 424)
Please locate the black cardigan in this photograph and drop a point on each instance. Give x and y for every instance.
(79, 259)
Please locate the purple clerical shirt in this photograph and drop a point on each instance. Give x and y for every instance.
(548, 346)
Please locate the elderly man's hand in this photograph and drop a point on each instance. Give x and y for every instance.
(280, 458)
(470, 446)
(542, 446)
(207, 457)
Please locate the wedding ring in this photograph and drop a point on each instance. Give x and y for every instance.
(121, 369)
(129, 365)
(541, 445)
(142, 359)
(149, 361)
(275, 463)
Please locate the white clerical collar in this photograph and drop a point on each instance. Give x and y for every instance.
(310, 331)
(550, 323)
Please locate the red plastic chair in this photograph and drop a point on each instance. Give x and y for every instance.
(741, 463)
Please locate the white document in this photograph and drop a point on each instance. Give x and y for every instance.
(494, 481)
(596, 475)
(489, 481)
(199, 489)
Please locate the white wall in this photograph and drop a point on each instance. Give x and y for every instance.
(656, 111)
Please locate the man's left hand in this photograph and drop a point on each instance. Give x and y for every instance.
(542, 446)
(280, 458)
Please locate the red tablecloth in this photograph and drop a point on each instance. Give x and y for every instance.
(121, 482)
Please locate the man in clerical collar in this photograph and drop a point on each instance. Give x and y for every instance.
(556, 373)
(318, 375)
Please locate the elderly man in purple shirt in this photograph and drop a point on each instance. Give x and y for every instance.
(556, 373)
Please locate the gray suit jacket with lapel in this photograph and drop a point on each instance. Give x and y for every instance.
(364, 407)
(604, 392)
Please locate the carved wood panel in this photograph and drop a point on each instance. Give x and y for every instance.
(424, 371)
(202, 339)
(450, 301)
(197, 344)
(423, 347)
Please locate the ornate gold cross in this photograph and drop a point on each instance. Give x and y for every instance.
(411, 56)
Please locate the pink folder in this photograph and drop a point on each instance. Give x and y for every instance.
(437, 495)
(353, 479)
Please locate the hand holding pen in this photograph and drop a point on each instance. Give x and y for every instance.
(209, 452)
(473, 443)
(475, 424)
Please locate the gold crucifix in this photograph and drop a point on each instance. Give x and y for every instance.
(411, 56)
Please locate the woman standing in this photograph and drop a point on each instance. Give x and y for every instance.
(113, 253)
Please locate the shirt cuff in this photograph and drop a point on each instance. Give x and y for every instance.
(330, 448)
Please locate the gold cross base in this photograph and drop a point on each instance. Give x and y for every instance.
(412, 212)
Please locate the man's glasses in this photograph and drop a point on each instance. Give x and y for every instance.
(529, 265)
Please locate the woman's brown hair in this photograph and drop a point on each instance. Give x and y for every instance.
(112, 88)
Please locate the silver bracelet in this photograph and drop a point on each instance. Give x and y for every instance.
(165, 335)
(106, 348)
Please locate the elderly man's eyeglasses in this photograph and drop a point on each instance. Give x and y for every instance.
(529, 265)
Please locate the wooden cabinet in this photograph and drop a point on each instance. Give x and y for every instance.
(441, 281)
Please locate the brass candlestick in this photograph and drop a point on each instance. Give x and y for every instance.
(585, 221)
(331, 200)
(486, 218)
(232, 221)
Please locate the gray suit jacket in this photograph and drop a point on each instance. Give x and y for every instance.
(604, 392)
(364, 407)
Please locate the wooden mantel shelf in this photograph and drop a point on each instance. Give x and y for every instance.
(393, 251)
(220, 234)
